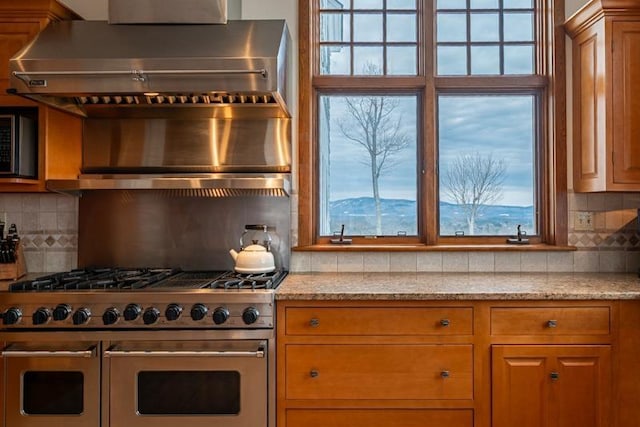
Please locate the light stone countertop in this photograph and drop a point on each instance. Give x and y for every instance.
(459, 286)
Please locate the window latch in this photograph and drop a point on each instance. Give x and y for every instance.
(519, 238)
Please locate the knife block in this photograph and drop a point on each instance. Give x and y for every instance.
(16, 269)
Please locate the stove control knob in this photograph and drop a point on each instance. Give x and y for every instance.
(12, 316)
(199, 311)
(131, 312)
(110, 316)
(150, 315)
(41, 316)
(250, 315)
(81, 316)
(173, 312)
(61, 312)
(220, 315)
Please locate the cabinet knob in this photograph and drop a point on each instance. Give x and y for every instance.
(554, 376)
(314, 373)
(444, 323)
(552, 323)
(314, 323)
(445, 374)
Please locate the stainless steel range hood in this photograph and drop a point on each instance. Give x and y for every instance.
(93, 68)
(184, 154)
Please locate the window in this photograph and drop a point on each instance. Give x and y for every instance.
(431, 122)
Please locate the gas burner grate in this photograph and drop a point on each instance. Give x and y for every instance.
(234, 280)
(95, 279)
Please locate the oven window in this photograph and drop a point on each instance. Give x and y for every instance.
(53, 393)
(188, 392)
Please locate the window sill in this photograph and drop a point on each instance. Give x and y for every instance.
(433, 248)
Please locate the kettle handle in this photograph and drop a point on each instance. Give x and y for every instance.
(262, 227)
(253, 227)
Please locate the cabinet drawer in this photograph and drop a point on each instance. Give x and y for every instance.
(379, 321)
(379, 418)
(550, 321)
(379, 371)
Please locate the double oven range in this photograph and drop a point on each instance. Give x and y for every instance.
(139, 347)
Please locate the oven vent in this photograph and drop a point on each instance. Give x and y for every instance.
(178, 99)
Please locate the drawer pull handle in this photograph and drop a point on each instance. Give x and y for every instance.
(314, 323)
(552, 323)
(554, 376)
(445, 374)
(444, 323)
(314, 373)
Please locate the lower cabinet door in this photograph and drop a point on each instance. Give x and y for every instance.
(424, 371)
(379, 418)
(551, 386)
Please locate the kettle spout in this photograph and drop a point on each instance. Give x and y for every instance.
(233, 254)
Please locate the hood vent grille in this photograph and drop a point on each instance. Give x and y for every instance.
(197, 185)
(225, 192)
(178, 99)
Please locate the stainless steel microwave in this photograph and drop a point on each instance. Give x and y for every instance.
(19, 143)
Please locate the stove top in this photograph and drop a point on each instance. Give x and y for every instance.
(119, 298)
(119, 279)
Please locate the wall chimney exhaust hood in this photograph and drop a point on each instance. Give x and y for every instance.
(91, 68)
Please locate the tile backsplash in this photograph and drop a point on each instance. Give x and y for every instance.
(48, 225)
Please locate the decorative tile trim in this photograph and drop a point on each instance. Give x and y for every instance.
(618, 240)
(44, 241)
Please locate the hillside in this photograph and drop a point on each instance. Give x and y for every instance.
(399, 215)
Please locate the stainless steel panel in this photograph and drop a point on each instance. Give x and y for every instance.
(186, 144)
(51, 358)
(167, 11)
(64, 64)
(254, 405)
(149, 228)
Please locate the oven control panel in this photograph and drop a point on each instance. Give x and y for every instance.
(127, 315)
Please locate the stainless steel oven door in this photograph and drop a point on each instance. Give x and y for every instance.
(51, 384)
(194, 383)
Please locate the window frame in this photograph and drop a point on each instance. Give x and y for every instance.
(549, 82)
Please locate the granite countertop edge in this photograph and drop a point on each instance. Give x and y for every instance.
(458, 286)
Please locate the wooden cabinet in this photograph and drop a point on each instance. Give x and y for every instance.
(379, 321)
(606, 108)
(627, 365)
(369, 364)
(551, 365)
(457, 363)
(376, 371)
(379, 417)
(551, 386)
(550, 321)
(59, 134)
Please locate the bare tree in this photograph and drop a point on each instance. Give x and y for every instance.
(373, 125)
(474, 181)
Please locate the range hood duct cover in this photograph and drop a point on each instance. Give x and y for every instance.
(85, 66)
(166, 12)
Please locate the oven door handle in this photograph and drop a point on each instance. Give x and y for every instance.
(117, 353)
(91, 352)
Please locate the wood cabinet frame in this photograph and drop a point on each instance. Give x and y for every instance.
(602, 330)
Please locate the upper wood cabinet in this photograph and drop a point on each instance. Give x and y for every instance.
(606, 108)
(59, 134)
